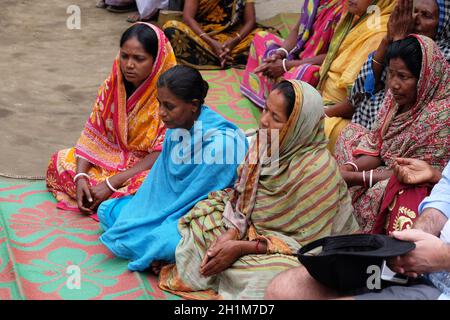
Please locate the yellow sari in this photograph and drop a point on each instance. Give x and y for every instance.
(353, 41)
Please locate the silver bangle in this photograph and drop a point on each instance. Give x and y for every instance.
(284, 50)
(110, 186)
(370, 179)
(284, 65)
(81, 174)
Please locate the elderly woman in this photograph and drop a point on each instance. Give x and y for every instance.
(413, 123)
(123, 135)
(201, 153)
(237, 240)
(214, 33)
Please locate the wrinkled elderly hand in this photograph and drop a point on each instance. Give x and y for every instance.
(430, 255)
(401, 21)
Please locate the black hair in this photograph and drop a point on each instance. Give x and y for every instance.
(145, 35)
(409, 51)
(285, 87)
(185, 82)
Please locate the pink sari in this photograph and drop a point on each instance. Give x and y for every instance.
(317, 26)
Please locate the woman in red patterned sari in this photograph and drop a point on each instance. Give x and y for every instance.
(414, 122)
(123, 135)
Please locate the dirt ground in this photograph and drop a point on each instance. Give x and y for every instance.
(50, 75)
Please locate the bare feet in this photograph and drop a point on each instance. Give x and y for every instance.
(156, 266)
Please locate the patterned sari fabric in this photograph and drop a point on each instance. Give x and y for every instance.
(222, 20)
(421, 133)
(317, 24)
(119, 133)
(366, 99)
(304, 199)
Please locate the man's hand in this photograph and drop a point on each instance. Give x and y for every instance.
(413, 171)
(430, 255)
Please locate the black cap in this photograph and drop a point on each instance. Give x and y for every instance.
(342, 264)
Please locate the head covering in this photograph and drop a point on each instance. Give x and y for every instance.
(424, 131)
(120, 127)
(304, 197)
(344, 260)
(443, 33)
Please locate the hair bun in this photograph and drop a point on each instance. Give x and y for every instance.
(205, 89)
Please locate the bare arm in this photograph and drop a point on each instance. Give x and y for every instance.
(343, 110)
(145, 164)
(317, 60)
(189, 13)
(431, 221)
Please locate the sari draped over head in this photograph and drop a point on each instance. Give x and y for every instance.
(221, 20)
(120, 132)
(354, 39)
(301, 200)
(318, 21)
(143, 228)
(421, 133)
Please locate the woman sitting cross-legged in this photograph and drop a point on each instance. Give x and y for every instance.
(200, 154)
(123, 136)
(237, 240)
(414, 122)
(298, 57)
(214, 34)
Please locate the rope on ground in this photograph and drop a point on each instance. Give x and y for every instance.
(21, 177)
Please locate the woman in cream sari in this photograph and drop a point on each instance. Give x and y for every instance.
(238, 239)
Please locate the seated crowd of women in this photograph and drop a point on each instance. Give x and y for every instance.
(225, 228)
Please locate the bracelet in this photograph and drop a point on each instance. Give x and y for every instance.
(370, 179)
(202, 35)
(284, 65)
(378, 63)
(257, 245)
(353, 165)
(364, 178)
(239, 35)
(283, 50)
(81, 174)
(110, 186)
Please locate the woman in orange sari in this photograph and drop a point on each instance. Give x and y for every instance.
(123, 136)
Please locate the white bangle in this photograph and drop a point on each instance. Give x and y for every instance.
(110, 186)
(284, 65)
(284, 50)
(370, 179)
(81, 174)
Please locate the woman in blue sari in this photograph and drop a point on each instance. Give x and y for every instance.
(201, 153)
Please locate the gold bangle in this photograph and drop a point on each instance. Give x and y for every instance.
(202, 35)
(239, 36)
(378, 63)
